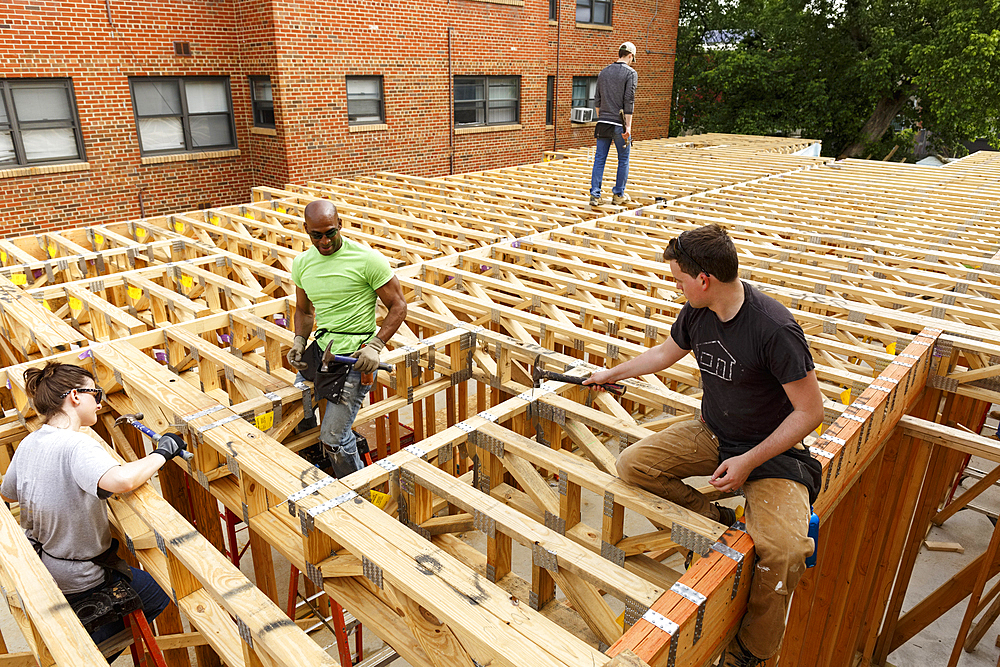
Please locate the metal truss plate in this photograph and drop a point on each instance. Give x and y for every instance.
(232, 464)
(419, 530)
(406, 482)
(689, 539)
(609, 503)
(418, 452)
(484, 523)
(315, 574)
(160, 544)
(221, 422)
(371, 571)
(485, 414)
(733, 555)
(201, 413)
(533, 600)
(612, 553)
(698, 600)
(244, 631)
(555, 522)
(634, 610)
(308, 518)
(387, 464)
(308, 491)
(544, 558)
(463, 426)
(129, 545)
(491, 444)
(660, 621)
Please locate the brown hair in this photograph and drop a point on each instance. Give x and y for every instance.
(706, 249)
(46, 386)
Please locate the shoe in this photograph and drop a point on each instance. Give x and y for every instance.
(620, 200)
(727, 515)
(736, 655)
(596, 201)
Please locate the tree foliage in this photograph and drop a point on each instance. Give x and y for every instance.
(842, 71)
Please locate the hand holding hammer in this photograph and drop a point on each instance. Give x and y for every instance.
(538, 374)
(167, 445)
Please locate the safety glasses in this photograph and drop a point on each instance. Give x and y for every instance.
(98, 393)
(680, 248)
(330, 234)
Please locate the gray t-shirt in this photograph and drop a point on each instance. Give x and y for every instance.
(53, 475)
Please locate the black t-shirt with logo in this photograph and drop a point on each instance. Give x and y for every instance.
(744, 363)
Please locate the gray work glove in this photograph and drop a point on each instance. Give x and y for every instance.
(170, 445)
(368, 356)
(294, 355)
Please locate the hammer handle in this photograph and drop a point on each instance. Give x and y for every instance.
(340, 359)
(611, 387)
(155, 437)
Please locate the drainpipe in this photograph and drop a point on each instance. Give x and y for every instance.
(555, 84)
(451, 111)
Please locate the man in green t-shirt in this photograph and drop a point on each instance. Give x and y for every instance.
(336, 282)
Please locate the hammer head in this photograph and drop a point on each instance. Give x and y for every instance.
(125, 419)
(537, 374)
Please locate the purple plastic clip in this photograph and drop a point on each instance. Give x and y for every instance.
(86, 354)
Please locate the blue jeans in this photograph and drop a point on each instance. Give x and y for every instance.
(601, 156)
(154, 601)
(335, 431)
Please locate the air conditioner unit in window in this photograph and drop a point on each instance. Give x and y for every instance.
(582, 115)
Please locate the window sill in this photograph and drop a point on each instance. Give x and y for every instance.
(551, 22)
(480, 129)
(44, 169)
(266, 131)
(186, 157)
(594, 26)
(549, 126)
(517, 3)
(373, 127)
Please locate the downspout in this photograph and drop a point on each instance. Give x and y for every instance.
(555, 84)
(451, 111)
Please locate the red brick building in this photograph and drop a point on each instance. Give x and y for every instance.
(115, 110)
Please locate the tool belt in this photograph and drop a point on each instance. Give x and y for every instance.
(604, 131)
(328, 380)
(108, 560)
(795, 464)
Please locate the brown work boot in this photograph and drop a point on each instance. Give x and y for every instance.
(727, 515)
(737, 656)
(620, 200)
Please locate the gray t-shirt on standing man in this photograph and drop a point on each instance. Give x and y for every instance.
(53, 475)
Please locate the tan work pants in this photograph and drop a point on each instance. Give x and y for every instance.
(777, 518)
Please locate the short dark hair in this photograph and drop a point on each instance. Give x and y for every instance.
(706, 249)
(622, 52)
(46, 387)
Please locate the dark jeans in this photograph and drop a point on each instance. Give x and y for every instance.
(154, 601)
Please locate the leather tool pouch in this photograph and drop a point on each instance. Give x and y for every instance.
(604, 131)
(329, 382)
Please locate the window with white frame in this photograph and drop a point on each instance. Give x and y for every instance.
(584, 91)
(38, 122)
(487, 100)
(593, 11)
(183, 114)
(365, 100)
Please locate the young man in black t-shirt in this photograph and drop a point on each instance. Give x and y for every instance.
(760, 399)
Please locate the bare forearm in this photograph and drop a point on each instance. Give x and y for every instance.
(303, 323)
(132, 475)
(628, 121)
(653, 360)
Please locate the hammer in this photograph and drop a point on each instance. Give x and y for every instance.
(339, 359)
(134, 421)
(538, 374)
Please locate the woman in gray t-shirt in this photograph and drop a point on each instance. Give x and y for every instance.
(61, 477)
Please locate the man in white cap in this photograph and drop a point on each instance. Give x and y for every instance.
(615, 100)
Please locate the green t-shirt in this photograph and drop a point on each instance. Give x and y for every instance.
(342, 288)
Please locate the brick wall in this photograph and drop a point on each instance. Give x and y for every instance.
(308, 47)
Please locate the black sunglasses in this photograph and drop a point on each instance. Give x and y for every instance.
(330, 234)
(701, 269)
(98, 393)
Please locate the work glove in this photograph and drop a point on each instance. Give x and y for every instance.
(294, 355)
(170, 445)
(368, 356)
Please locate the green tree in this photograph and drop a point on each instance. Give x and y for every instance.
(842, 70)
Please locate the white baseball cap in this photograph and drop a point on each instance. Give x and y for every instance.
(627, 46)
